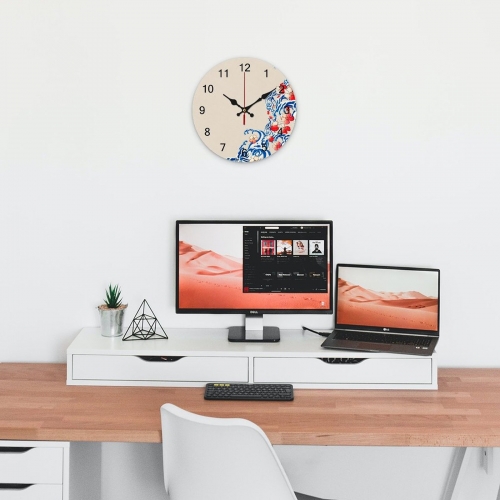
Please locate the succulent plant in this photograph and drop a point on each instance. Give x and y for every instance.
(113, 297)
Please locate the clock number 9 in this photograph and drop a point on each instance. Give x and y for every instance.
(202, 110)
(208, 88)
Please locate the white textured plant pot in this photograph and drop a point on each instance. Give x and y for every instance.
(112, 321)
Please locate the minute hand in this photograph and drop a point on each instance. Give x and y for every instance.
(263, 96)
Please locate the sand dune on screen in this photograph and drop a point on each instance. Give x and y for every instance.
(410, 309)
(194, 260)
(208, 280)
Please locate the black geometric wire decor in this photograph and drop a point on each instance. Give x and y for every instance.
(144, 325)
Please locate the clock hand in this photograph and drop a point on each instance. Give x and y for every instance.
(235, 103)
(263, 96)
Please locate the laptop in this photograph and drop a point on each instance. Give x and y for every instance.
(386, 309)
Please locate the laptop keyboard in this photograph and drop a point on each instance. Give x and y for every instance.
(383, 338)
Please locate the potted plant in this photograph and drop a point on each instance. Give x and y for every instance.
(112, 312)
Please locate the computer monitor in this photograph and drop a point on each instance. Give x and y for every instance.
(254, 268)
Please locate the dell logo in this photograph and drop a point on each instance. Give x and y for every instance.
(386, 329)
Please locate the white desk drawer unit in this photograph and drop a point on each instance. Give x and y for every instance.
(40, 470)
(160, 368)
(31, 492)
(323, 371)
(29, 471)
(193, 357)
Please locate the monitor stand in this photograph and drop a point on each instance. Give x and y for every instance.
(254, 331)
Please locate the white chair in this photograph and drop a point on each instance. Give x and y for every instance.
(206, 458)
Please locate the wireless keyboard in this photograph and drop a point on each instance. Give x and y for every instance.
(249, 392)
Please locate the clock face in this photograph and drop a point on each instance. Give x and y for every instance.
(244, 109)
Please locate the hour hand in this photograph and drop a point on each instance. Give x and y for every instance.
(233, 101)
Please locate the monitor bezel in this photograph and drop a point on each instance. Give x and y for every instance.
(253, 311)
(381, 329)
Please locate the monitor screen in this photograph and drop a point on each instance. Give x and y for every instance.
(254, 267)
(383, 298)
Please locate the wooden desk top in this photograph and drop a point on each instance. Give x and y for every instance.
(36, 404)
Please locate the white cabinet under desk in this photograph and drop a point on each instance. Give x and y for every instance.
(33, 470)
(193, 357)
(49, 470)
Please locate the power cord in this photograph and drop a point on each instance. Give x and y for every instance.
(323, 334)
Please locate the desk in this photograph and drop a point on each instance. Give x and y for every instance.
(36, 404)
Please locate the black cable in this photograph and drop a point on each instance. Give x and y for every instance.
(323, 334)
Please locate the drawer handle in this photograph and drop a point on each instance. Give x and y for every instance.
(15, 449)
(342, 361)
(14, 486)
(164, 359)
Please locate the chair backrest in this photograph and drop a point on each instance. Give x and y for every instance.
(206, 458)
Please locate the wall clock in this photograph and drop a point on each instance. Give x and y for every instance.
(244, 109)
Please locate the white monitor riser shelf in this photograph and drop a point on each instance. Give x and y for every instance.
(193, 357)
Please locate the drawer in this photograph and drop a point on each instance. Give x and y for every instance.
(31, 465)
(368, 371)
(31, 492)
(160, 368)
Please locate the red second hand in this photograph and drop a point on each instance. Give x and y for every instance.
(244, 96)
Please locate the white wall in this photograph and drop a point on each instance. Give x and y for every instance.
(397, 140)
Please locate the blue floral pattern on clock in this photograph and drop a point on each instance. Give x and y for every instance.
(281, 112)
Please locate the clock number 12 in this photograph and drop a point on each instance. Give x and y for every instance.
(245, 67)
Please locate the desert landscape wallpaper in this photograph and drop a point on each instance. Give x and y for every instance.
(400, 308)
(210, 280)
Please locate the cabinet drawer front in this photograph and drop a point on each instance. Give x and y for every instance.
(154, 368)
(369, 371)
(32, 465)
(32, 492)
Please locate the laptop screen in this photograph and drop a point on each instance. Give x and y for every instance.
(387, 299)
